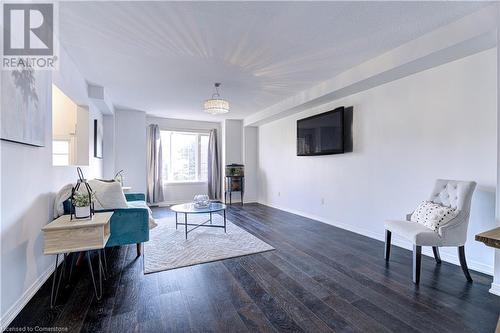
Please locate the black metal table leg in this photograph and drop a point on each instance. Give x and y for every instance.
(210, 217)
(55, 289)
(97, 295)
(105, 262)
(63, 271)
(101, 270)
(52, 297)
(176, 223)
(101, 266)
(73, 259)
(224, 221)
(186, 224)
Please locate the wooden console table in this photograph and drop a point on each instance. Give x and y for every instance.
(64, 236)
(491, 238)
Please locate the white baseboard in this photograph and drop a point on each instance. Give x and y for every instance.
(495, 289)
(176, 202)
(170, 203)
(245, 201)
(453, 259)
(356, 230)
(14, 310)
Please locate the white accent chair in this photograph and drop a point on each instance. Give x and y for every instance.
(451, 193)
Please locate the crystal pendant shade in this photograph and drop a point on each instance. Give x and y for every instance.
(216, 105)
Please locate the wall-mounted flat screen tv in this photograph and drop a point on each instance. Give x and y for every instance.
(324, 134)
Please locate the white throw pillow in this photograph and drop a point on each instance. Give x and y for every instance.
(108, 195)
(433, 215)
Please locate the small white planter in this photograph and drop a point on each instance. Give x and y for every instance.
(82, 212)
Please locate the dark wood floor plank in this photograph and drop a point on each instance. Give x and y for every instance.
(125, 322)
(319, 277)
(128, 289)
(293, 303)
(175, 312)
(99, 314)
(408, 314)
(342, 253)
(383, 317)
(253, 318)
(403, 308)
(201, 315)
(151, 326)
(274, 313)
(226, 317)
(343, 263)
(297, 279)
(314, 303)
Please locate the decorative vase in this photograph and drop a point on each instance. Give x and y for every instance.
(82, 212)
(201, 201)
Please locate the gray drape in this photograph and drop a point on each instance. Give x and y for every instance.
(214, 172)
(154, 164)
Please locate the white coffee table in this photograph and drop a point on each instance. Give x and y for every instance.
(190, 208)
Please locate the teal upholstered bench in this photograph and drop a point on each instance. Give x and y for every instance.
(128, 225)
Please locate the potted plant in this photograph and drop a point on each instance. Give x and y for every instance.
(82, 202)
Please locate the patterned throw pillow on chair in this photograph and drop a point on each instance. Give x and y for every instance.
(433, 215)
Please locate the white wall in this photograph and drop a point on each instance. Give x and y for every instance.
(108, 149)
(439, 123)
(495, 285)
(84, 146)
(130, 148)
(28, 186)
(233, 141)
(232, 150)
(176, 193)
(251, 161)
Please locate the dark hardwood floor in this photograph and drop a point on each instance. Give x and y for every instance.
(319, 278)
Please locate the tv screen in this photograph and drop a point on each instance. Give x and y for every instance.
(322, 134)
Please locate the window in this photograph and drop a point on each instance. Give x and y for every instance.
(185, 156)
(60, 152)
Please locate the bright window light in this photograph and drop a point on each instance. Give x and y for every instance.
(185, 156)
(60, 152)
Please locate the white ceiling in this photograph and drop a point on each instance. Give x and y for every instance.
(163, 57)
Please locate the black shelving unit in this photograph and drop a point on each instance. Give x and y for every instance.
(235, 181)
(234, 184)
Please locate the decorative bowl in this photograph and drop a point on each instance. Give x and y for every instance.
(201, 201)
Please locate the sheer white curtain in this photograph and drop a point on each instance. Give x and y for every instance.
(154, 163)
(214, 172)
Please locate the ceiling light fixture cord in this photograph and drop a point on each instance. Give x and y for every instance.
(216, 90)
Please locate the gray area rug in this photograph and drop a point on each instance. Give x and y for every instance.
(168, 249)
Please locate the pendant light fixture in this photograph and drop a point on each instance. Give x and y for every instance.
(216, 105)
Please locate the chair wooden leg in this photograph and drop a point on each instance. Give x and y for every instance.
(387, 252)
(138, 249)
(417, 262)
(463, 263)
(435, 249)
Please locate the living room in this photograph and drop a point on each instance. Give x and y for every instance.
(250, 166)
